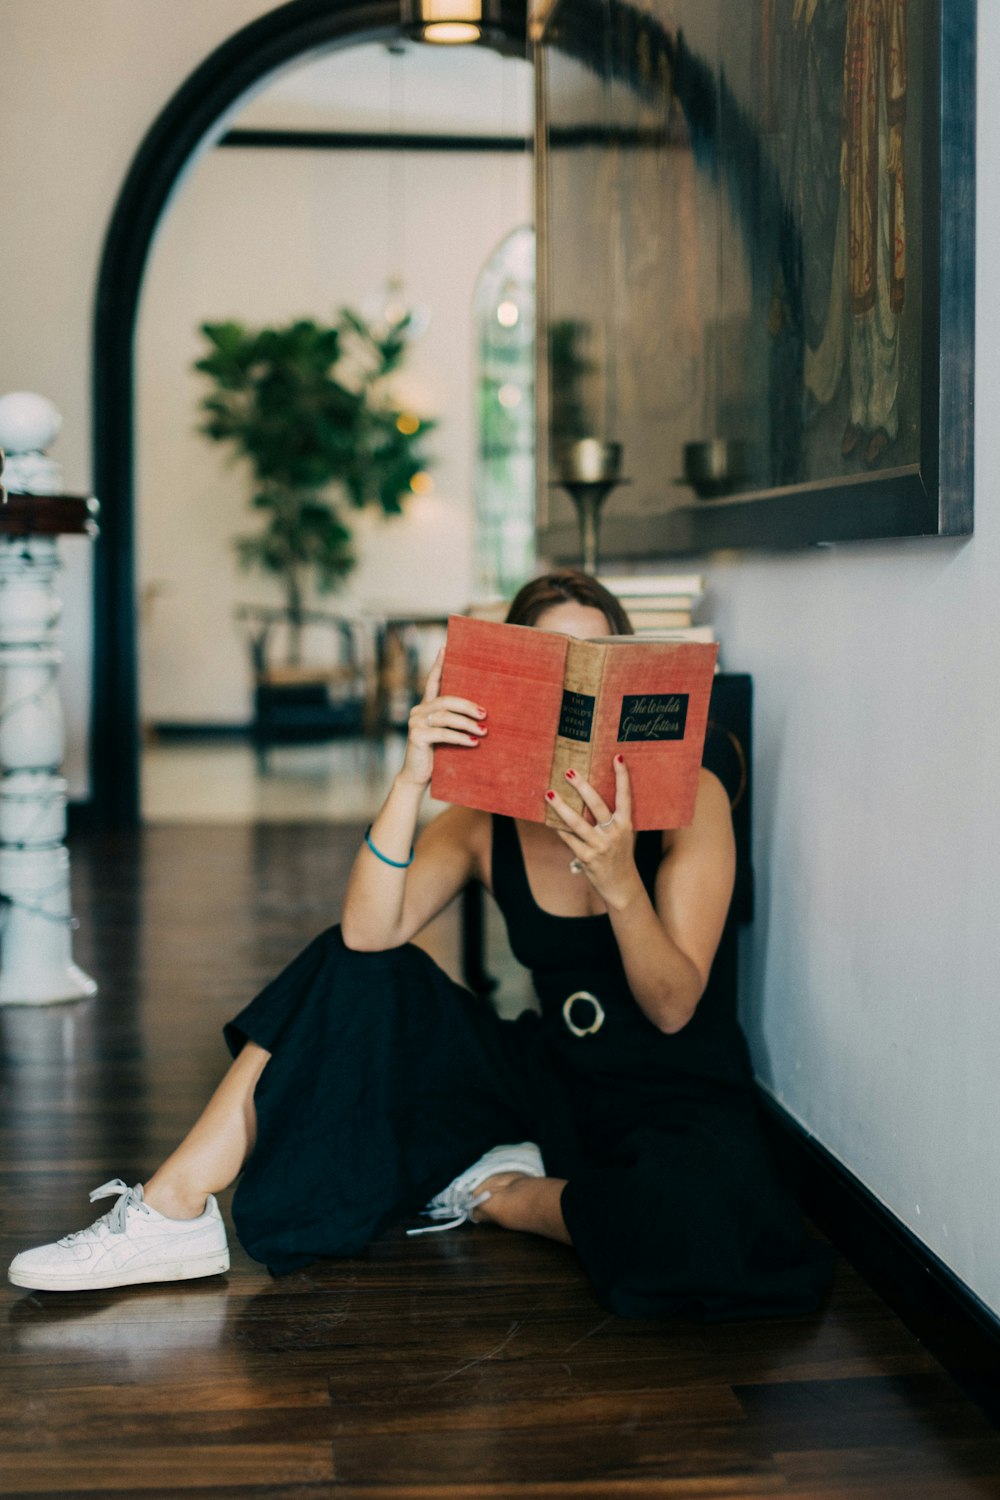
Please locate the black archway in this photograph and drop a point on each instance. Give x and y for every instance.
(195, 112)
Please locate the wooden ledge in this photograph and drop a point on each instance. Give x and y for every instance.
(48, 515)
(304, 676)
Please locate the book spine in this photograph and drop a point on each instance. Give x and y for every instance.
(574, 740)
(626, 585)
(659, 619)
(703, 633)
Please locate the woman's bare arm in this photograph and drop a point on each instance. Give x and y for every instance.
(667, 944)
(385, 906)
(389, 900)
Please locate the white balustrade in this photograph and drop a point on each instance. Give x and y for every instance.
(36, 922)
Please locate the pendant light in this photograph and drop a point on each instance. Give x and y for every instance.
(390, 310)
(450, 23)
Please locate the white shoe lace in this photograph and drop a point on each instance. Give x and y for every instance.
(116, 1218)
(456, 1208)
(457, 1201)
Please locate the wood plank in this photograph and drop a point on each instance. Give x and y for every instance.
(473, 1365)
(133, 1469)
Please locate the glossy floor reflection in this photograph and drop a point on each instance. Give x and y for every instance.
(469, 1364)
(220, 781)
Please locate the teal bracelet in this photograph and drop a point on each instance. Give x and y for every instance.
(397, 864)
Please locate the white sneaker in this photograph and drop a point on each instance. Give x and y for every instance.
(128, 1245)
(459, 1198)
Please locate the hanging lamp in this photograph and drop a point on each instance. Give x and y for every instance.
(389, 311)
(450, 23)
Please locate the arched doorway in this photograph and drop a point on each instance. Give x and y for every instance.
(190, 121)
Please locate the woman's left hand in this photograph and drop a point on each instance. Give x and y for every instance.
(604, 850)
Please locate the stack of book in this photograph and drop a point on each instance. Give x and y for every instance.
(662, 604)
(494, 608)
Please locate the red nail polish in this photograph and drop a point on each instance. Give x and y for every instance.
(619, 760)
(570, 775)
(551, 796)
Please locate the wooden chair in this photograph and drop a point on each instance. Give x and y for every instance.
(309, 702)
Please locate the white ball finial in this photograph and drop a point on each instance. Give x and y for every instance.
(28, 423)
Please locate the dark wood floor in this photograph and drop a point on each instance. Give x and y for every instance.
(473, 1364)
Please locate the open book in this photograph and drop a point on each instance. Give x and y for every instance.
(554, 702)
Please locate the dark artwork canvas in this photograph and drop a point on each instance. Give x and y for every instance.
(757, 266)
(845, 340)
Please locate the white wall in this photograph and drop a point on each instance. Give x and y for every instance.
(83, 81)
(266, 235)
(874, 961)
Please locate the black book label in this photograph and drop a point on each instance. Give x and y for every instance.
(653, 716)
(576, 721)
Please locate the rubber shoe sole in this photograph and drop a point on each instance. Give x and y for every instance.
(192, 1266)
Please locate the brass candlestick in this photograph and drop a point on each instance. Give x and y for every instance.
(588, 470)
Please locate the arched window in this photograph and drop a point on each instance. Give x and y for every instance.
(504, 320)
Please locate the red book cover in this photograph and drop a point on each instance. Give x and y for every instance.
(554, 702)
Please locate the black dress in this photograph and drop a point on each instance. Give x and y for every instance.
(387, 1080)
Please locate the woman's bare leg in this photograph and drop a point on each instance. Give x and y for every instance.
(212, 1153)
(531, 1204)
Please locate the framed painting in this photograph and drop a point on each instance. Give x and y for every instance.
(756, 268)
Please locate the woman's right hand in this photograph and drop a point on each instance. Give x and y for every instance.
(438, 721)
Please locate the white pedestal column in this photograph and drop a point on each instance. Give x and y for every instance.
(36, 960)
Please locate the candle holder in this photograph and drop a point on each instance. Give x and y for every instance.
(588, 470)
(716, 466)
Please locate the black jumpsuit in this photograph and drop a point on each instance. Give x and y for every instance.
(387, 1080)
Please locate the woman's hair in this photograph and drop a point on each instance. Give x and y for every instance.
(567, 586)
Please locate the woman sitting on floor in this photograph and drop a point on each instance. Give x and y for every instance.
(364, 1079)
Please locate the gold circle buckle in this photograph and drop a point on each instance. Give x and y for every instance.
(596, 1023)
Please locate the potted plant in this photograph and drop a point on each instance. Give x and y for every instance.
(308, 406)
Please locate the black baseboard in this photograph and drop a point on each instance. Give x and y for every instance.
(183, 730)
(943, 1313)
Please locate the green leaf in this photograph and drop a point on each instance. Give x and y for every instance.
(304, 406)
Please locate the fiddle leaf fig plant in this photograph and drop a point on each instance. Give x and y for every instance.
(309, 408)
